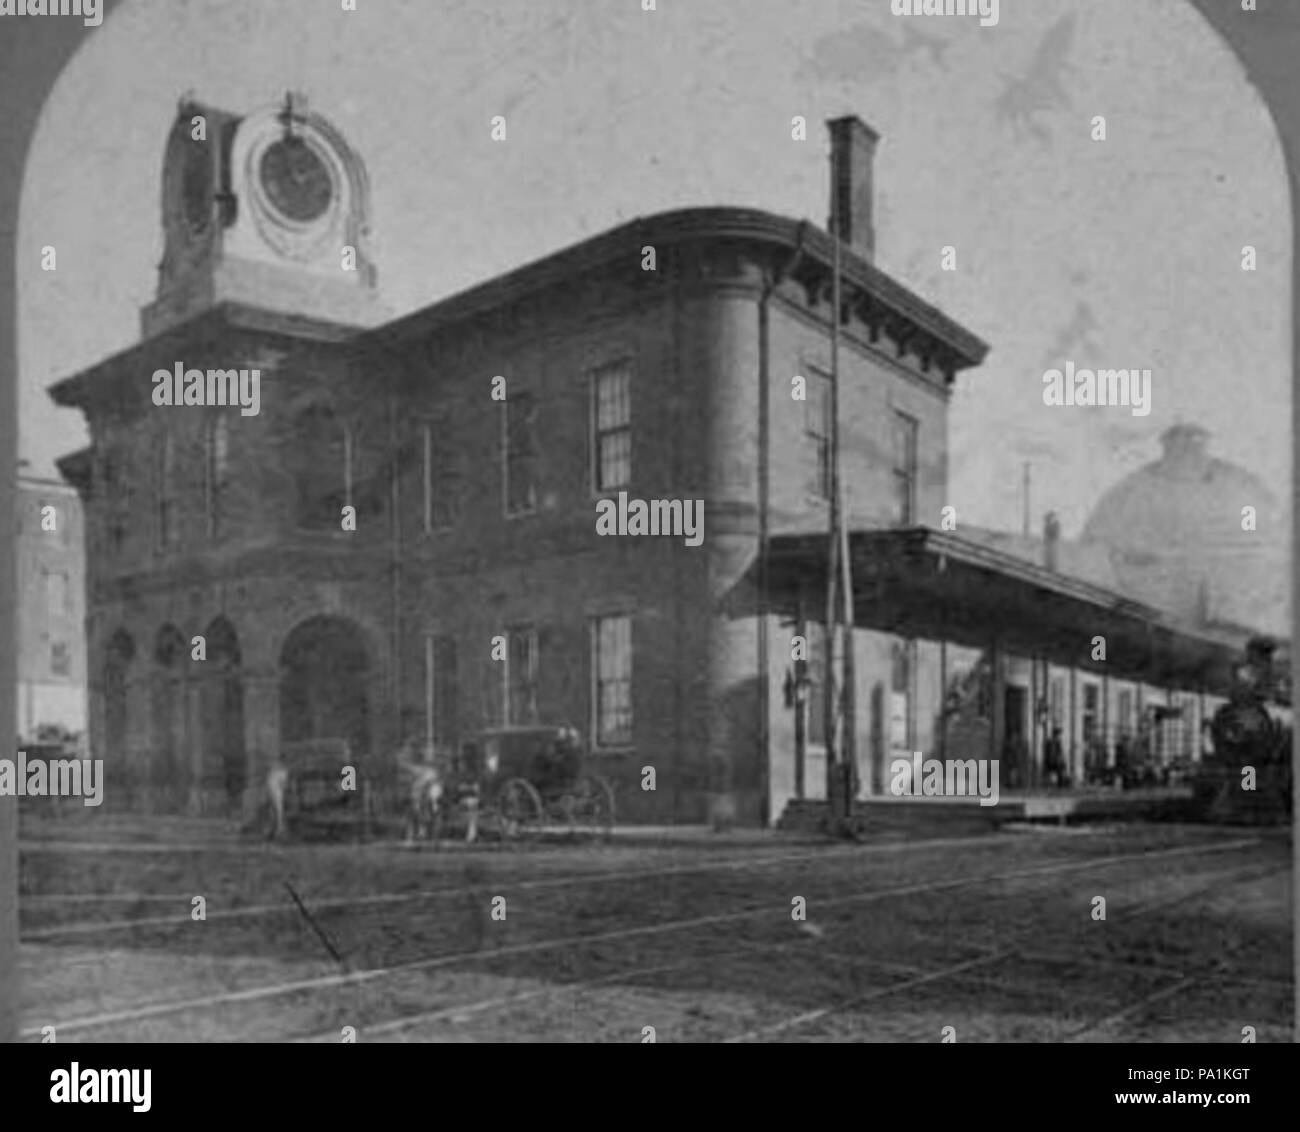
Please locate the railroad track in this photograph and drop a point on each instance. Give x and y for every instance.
(640, 934)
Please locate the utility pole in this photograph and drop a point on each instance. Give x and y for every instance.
(840, 711)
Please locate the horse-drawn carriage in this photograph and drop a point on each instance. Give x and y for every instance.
(315, 786)
(526, 779)
(507, 782)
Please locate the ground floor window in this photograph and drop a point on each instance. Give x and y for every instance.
(442, 687)
(1184, 729)
(1125, 713)
(1091, 700)
(611, 642)
(902, 684)
(1056, 701)
(815, 674)
(521, 676)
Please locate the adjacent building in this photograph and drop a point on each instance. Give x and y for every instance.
(51, 609)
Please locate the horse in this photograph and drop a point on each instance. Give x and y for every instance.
(432, 788)
(277, 785)
(426, 784)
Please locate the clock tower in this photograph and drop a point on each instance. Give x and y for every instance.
(269, 210)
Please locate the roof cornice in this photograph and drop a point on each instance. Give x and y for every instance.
(781, 234)
(865, 286)
(208, 326)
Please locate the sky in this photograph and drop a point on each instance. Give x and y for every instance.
(1117, 254)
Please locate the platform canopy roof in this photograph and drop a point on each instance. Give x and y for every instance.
(935, 585)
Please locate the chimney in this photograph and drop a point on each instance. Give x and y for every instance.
(853, 151)
(1051, 540)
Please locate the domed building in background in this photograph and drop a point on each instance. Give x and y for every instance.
(1173, 531)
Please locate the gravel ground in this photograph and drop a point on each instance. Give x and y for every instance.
(694, 938)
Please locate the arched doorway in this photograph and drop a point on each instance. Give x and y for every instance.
(221, 707)
(167, 717)
(323, 684)
(117, 663)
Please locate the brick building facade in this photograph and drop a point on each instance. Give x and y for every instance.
(474, 516)
(663, 359)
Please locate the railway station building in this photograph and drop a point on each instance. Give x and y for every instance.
(471, 442)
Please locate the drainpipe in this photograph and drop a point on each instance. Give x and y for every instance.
(395, 543)
(770, 283)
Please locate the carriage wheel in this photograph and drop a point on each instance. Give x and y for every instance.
(591, 805)
(519, 807)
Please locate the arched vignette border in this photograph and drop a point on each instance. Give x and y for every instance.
(33, 53)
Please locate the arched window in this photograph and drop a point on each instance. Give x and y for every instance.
(168, 767)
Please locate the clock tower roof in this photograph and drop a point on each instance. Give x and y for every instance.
(268, 209)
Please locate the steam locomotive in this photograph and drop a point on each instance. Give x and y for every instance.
(1250, 730)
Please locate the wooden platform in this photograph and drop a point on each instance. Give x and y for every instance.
(940, 816)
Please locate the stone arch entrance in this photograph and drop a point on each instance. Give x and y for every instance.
(167, 777)
(221, 718)
(324, 676)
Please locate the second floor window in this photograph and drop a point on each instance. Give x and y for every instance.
(322, 451)
(165, 489)
(817, 435)
(520, 454)
(612, 432)
(442, 481)
(904, 470)
(218, 471)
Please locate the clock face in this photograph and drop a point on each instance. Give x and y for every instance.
(296, 180)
